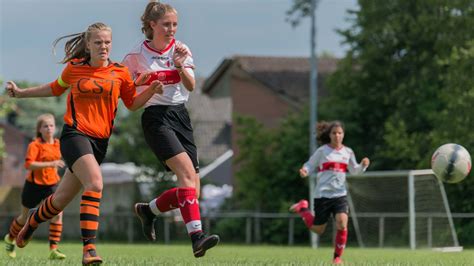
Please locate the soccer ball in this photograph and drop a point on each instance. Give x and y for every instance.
(451, 163)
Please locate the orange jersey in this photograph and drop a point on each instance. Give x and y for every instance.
(39, 151)
(93, 98)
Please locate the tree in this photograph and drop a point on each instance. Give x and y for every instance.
(405, 86)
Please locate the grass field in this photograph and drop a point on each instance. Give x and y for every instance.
(157, 254)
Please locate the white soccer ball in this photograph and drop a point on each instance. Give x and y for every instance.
(451, 163)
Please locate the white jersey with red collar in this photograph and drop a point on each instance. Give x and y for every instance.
(332, 165)
(144, 58)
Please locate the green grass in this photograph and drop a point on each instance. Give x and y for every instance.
(158, 254)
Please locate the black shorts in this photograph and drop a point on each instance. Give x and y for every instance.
(75, 144)
(33, 194)
(168, 132)
(325, 207)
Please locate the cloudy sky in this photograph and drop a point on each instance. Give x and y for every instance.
(213, 29)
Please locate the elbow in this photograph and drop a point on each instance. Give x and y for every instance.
(132, 108)
(191, 87)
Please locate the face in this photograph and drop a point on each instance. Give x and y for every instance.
(47, 129)
(337, 136)
(99, 45)
(165, 28)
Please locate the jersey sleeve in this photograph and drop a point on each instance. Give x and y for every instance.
(60, 85)
(189, 61)
(354, 167)
(314, 161)
(31, 154)
(129, 62)
(127, 89)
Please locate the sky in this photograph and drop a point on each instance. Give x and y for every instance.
(213, 29)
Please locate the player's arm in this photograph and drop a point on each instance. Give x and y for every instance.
(55, 88)
(311, 164)
(31, 158)
(139, 100)
(44, 90)
(355, 168)
(41, 165)
(183, 64)
(128, 93)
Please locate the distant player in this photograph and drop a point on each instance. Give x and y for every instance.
(43, 158)
(166, 124)
(331, 160)
(95, 85)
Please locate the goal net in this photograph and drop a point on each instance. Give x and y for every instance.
(400, 209)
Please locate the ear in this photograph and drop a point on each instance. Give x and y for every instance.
(88, 48)
(153, 24)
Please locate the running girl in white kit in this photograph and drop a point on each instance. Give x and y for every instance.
(166, 124)
(332, 160)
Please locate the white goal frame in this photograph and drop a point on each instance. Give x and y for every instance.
(411, 175)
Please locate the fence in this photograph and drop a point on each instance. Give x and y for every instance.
(125, 227)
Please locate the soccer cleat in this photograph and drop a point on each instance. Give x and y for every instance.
(201, 243)
(337, 260)
(147, 219)
(302, 204)
(90, 257)
(10, 246)
(26, 233)
(55, 254)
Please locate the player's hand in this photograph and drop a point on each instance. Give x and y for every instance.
(142, 79)
(303, 172)
(157, 86)
(365, 162)
(12, 89)
(58, 164)
(180, 54)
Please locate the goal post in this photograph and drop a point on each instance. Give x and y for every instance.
(400, 208)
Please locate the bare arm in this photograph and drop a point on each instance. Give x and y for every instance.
(179, 57)
(38, 91)
(41, 165)
(155, 87)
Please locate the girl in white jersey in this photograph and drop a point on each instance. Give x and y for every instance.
(331, 160)
(166, 124)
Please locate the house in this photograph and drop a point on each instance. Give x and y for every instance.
(266, 88)
(11, 166)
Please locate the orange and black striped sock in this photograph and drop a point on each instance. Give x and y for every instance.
(90, 204)
(15, 228)
(45, 212)
(55, 230)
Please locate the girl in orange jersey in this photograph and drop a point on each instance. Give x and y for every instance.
(95, 84)
(43, 159)
(166, 124)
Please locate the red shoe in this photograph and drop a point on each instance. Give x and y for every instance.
(302, 204)
(337, 260)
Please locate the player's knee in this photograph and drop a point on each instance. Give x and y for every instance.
(94, 184)
(341, 226)
(319, 230)
(188, 179)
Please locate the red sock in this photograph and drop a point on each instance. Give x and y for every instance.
(167, 201)
(308, 218)
(341, 239)
(189, 207)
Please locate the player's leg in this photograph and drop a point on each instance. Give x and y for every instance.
(182, 166)
(13, 231)
(55, 231)
(316, 223)
(341, 209)
(50, 207)
(87, 170)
